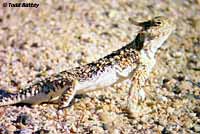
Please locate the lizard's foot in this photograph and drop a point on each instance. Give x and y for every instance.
(135, 110)
(61, 113)
(135, 107)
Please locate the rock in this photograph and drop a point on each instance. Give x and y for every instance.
(178, 54)
(176, 89)
(169, 83)
(24, 131)
(185, 85)
(196, 23)
(105, 126)
(105, 117)
(165, 131)
(11, 128)
(197, 128)
(170, 110)
(3, 130)
(42, 131)
(97, 130)
(24, 119)
(197, 111)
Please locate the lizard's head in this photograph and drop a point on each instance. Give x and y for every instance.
(154, 32)
(158, 24)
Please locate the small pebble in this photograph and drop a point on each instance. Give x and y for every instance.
(23, 131)
(11, 128)
(105, 117)
(197, 111)
(24, 119)
(197, 128)
(3, 130)
(196, 23)
(42, 131)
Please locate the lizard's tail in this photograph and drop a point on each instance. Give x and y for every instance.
(9, 100)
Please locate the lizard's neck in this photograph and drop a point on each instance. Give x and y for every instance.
(153, 45)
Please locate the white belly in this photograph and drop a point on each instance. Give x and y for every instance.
(105, 79)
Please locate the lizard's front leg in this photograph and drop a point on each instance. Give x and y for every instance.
(136, 93)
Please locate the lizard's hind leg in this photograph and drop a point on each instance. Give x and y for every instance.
(64, 102)
(67, 96)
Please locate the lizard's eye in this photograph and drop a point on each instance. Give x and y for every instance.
(157, 23)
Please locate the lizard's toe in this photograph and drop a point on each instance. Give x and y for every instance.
(136, 110)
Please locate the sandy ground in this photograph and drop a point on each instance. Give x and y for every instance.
(37, 42)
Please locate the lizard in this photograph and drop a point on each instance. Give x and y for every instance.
(133, 61)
